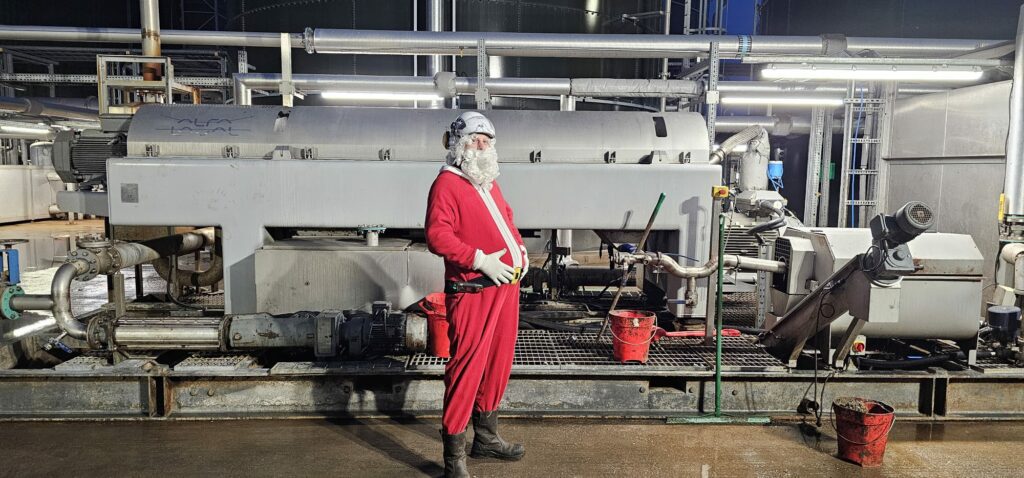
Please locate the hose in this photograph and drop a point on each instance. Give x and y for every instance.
(779, 221)
(864, 362)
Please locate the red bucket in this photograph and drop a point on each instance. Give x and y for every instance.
(437, 324)
(862, 429)
(632, 332)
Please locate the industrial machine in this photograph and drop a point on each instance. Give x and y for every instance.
(892, 281)
(322, 258)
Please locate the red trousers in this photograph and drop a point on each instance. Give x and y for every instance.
(482, 329)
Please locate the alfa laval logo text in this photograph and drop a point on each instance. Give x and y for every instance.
(207, 126)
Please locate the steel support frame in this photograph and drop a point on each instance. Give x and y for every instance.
(711, 95)
(335, 390)
(814, 160)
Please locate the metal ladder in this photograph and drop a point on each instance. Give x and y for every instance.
(861, 156)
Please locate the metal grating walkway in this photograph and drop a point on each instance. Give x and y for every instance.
(547, 350)
(997, 366)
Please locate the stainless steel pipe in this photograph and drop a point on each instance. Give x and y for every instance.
(435, 23)
(60, 291)
(169, 333)
(111, 259)
(131, 35)
(729, 260)
(149, 11)
(385, 42)
(1013, 189)
(448, 86)
(32, 107)
(22, 303)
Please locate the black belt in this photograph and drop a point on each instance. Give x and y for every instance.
(473, 286)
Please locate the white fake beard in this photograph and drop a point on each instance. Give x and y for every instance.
(480, 165)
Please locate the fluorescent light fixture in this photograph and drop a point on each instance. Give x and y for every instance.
(782, 99)
(379, 96)
(23, 130)
(872, 72)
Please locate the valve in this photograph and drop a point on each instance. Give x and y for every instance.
(55, 342)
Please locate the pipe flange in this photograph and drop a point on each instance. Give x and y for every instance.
(307, 40)
(97, 332)
(5, 302)
(116, 260)
(94, 244)
(89, 258)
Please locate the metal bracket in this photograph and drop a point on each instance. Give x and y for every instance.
(609, 157)
(152, 150)
(229, 151)
(384, 154)
(483, 97)
(535, 156)
(281, 152)
(846, 343)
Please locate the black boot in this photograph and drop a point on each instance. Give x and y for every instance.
(487, 443)
(454, 455)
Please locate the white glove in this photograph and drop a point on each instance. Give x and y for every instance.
(526, 261)
(492, 267)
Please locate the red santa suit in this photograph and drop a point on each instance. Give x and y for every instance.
(461, 219)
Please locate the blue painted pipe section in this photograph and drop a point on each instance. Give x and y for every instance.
(13, 267)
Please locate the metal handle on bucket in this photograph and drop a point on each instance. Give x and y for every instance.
(832, 421)
(654, 332)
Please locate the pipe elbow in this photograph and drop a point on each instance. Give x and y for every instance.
(60, 291)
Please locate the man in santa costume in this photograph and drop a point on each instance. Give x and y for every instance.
(470, 225)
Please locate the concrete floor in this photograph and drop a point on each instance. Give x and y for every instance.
(412, 447)
(555, 447)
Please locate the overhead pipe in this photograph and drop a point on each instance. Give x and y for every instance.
(1013, 189)
(559, 45)
(435, 23)
(33, 107)
(667, 30)
(807, 87)
(149, 11)
(776, 125)
(131, 35)
(447, 85)
(42, 135)
(385, 42)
